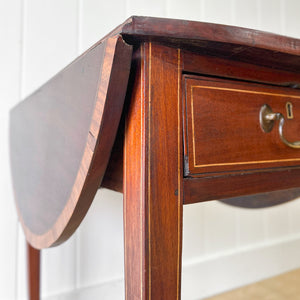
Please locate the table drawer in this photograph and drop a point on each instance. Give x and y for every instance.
(223, 132)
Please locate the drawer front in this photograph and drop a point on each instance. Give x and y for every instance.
(223, 132)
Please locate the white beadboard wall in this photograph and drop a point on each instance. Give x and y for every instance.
(224, 247)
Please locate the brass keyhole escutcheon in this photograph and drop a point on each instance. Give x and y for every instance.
(289, 110)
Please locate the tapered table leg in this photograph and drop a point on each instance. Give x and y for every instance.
(33, 266)
(153, 178)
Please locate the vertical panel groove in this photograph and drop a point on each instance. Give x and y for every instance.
(149, 170)
(20, 90)
(21, 58)
(233, 9)
(259, 13)
(77, 234)
(16, 291)
(79, 25)
(282, 17)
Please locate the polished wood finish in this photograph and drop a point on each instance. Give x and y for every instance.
(33, 261)
(223, 133)
(228, 186)
(153, 199)
(219, 67)
(188, 132)
(235, 43)
(61, 138)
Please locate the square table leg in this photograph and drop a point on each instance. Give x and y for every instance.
(153, 177)
(33, 266)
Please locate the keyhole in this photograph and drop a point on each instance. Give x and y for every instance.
(289, 110)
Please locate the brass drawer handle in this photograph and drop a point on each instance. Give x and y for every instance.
(267, 119)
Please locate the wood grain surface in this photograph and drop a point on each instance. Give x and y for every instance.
(229, 186)
(61, 138)
(226, 70)
(180, 144)
(33, 272)
(235, 43)
(152, 177)
(62, 135)
(223, 132)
